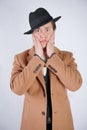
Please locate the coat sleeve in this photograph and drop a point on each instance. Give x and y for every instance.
(23, 77)
(66, 71)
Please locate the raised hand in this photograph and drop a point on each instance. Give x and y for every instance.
(50, 45)
(38, 47)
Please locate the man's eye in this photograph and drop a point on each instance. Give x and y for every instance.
(47, 30)
(37, 30)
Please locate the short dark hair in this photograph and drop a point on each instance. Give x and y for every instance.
(54, 25)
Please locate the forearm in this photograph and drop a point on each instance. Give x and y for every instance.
(22, 79)
(66, 73)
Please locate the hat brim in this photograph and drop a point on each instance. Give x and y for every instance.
(30, 31)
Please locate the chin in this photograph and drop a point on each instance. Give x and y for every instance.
(44, 45)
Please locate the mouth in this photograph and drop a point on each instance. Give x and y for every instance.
(44, 43)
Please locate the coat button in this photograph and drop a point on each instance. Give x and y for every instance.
(43, 113)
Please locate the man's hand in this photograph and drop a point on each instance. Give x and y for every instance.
(38, 47)
(50, 45)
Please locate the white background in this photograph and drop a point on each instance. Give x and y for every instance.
(71, 35)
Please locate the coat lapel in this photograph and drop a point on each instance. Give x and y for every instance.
(40, 78)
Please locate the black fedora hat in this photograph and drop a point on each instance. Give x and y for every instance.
(38, 18)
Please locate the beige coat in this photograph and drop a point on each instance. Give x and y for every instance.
(27, 78)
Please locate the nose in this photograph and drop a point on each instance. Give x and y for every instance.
(42, 34)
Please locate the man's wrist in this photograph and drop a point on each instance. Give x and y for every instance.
(51, 55)
(42, 58)
(45, 58)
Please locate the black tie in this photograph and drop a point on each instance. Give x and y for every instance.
(49, 108)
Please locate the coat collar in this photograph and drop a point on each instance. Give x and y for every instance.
(31, 51)
(56, 50)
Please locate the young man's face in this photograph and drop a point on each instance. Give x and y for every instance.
(44, 33)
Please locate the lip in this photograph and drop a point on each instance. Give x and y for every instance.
(44, 41)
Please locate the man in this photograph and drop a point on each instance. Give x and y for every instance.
(43, 74)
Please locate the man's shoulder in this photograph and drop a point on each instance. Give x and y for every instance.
(67, 52)
(21, 57)
(63, 52)
(23, 53)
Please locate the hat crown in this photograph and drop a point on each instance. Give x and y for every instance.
(38, 17)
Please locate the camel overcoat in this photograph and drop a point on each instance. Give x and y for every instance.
(27, 79)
